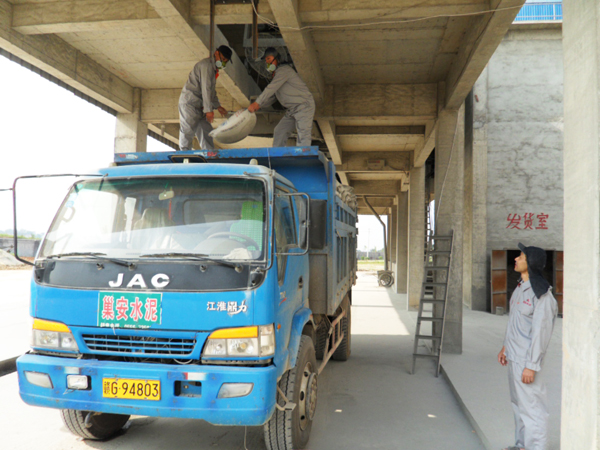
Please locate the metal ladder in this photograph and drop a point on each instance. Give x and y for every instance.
(436, 274)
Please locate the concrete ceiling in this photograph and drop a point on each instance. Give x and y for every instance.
(381, 71)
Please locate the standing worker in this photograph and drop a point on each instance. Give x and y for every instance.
(530, 324)
(199, 98)
(294, 95)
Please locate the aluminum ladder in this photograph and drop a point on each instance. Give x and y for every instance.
(434, 292)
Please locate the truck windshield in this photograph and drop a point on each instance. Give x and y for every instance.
(221, 218)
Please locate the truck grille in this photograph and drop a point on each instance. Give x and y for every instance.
(139, 345)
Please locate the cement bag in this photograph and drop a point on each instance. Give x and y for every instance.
(236, 128)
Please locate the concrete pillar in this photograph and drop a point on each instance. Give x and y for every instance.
(474, 219)
(401, 274)
(130, 134)
(449, 199)
(393, 234)
(580, 423)
(480, 275)
(416, 235)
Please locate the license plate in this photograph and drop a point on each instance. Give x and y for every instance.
(131, 389)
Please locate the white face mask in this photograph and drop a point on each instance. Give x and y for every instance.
(221, 64)
(271, 67)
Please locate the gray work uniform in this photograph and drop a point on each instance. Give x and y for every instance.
(528, 334)
(294, 95)
(198, 96)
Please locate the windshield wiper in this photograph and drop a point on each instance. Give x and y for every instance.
(195, 257)
(95, 255)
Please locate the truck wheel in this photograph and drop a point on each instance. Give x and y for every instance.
(342, 353)
(290, 430)
(321, 341)
(100, 425)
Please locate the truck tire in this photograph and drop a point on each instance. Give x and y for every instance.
(290, 430)
(102, 425)
(342, 353)
(321, 341)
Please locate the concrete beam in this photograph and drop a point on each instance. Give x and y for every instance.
(55, 56)
(367, 212)
(102, 15)
(362, 187)
(381, 131)
(416, 103)
(479, 43)
(379, 202)
(422, 152)
(328, 130)
(81, 16)
(228, 14)
(300, 44)
(161, 105)
(169, 131)
(235, 78)
(353, 11)
(358, 162)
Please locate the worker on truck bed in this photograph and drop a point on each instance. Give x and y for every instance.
(199, 98)
(293, 94)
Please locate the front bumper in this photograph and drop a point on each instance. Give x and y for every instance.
(254, 409)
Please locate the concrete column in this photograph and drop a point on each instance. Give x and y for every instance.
(480, 270)
(449, 199)
(580, 423)
(474, 226)
(130, 134)
(401, 274)
(393, 234)
(416, 234)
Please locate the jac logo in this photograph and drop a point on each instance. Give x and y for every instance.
(159, 280)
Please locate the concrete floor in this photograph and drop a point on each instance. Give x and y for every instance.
(368, 402)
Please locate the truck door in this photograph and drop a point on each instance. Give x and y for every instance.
(290, 268)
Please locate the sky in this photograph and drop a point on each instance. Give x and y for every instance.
(48, 130)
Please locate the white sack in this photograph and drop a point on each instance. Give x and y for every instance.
(236, 128)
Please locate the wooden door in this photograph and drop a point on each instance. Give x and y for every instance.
(499, 286)
(558, 279)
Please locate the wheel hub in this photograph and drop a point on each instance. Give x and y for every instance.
(307, 403)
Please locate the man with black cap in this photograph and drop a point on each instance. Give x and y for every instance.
(199, 98)
(530, 324)
(294, 95)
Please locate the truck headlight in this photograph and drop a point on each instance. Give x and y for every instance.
(242, 342)
(52, 336)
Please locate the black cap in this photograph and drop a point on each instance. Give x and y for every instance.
(226, 52)
(272, 51)
(536, 257)
(536, 261)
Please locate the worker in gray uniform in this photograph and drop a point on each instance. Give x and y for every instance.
(199, 99)
(533, 310)
(293, 94)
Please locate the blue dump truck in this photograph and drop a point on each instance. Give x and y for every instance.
(195, 284)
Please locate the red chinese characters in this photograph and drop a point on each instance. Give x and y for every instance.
(136, 310)
(151, 305)
(122, 308)
(542, 218)
(515, 221)
(108, 313)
